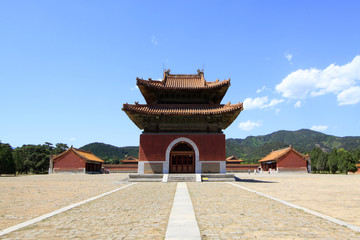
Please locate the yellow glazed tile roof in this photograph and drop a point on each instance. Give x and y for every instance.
(275, 155)
(182, 109)
(84, 154)
(88, 155)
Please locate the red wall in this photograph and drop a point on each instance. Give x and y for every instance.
(358, 171)
(153, 146)
(69, 161)
(241, 167)
(121, 167)
(291, 161)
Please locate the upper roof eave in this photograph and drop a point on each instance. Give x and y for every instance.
(182, 109)
(161, 85)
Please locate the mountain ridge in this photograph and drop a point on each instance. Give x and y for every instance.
(251, 148)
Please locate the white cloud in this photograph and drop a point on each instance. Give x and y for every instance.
(72, 139)
(319, 128)
(297, 104)
(261, 89)
(250, 103)
(349, 96)
(274, 102)
(154, 40)
(313, 82)
(260, 102)
(249, 125)
(288, 56)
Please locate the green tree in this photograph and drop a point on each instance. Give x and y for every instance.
(33, 158)
(346, 161)
(59, 148)
(314, 156)
(7, 164)
(18, 155)
(333, 161)
(116, 160)
(356, 154)
(319, 160)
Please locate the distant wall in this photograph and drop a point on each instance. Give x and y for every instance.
(121, 168)
(241, 167)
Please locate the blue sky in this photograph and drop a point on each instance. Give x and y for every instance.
(66, 67)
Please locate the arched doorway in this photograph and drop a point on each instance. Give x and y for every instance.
(182, 158)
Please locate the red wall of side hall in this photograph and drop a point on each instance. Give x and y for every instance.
(153, 146)
(291, 160)
(69, 161)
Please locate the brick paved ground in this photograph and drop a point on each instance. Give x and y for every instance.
(224, 211)
(25, 197)
(140, 211)
(337, 195)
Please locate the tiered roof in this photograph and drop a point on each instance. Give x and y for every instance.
(183, 103)
(173, 86)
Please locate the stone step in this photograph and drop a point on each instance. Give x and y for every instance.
(145, 177)
(145, 180)
(182, 178)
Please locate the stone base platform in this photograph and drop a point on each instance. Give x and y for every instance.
(218, 177)
(146, 177)
(209, 177)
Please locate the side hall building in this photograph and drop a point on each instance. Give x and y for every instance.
(75, 161)
(287, 159)
(182, 123)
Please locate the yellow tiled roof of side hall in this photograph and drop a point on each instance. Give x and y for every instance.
(275, 155)
(88, 155)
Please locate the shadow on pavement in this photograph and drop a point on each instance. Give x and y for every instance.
(252, 180)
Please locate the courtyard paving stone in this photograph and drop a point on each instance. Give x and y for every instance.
(226, 212)
(25, 197)
(222, 211)
(335, 195)
(140, 211)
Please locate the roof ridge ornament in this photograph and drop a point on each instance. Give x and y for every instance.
(201, 74)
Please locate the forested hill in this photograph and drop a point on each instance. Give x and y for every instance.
(304, 140)
(107, 152)
(251, 148)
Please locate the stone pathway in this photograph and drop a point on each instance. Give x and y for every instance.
(140, 211)
(224, 211)
(182, 222)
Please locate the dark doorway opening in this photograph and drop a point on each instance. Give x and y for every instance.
(182, 158)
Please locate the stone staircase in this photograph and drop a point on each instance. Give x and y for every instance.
(210, 177)
(182, 178)
(145, 177)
